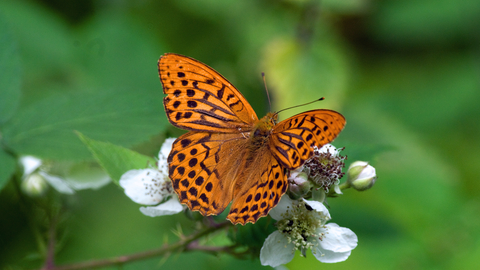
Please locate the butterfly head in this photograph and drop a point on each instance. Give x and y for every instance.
(264, 126)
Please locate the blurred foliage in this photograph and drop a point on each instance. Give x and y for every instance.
(112, 158)
(406, 75)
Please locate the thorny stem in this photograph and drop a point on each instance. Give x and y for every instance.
(183, 244)
(217, 250)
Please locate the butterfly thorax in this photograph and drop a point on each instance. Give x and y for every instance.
(262, 129)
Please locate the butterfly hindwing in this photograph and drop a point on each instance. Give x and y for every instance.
(200, 99)
(292, 140)
(261, 192)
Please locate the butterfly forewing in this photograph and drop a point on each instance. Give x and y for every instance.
(201, 99)
(292, 140)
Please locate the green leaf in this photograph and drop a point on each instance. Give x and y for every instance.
(115, 159)
(125, 56)
(45, 128)
(106, 88)
(11, 74)
(44, 40)
(7, 167)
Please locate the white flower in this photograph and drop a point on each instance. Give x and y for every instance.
(32, 169)
(33, 183)
(153, 187)
(302, 225)
(63, 176)
(361, 175)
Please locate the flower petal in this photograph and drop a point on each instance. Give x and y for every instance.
(336, 245)
(283, 205)
(30, 164)
(320, 208)
(144, 186)
(337, 189)
(163, 155)
(368, 172)
(338, 239)
(166, 147)
(329, 148)
(276, 250)
(331, 257)
(57, 183)
(169, 207)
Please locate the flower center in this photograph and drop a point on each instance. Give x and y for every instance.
(300, 222)
(157, 185)
(325, 168)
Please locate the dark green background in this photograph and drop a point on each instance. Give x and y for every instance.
(406, 75)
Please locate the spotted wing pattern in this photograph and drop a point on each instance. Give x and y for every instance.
(292, 140)
(265, 184)
(201, 99)
(209, 170)
(202, 167)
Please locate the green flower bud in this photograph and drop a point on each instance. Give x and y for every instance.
(34, 185)
(361, 175)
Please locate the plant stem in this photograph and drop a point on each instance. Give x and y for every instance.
(165, 249)
(343, 186)
(50, 260)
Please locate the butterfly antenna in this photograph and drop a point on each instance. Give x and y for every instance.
(266, 89)
(322, 98)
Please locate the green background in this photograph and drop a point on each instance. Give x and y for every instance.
(405, 74)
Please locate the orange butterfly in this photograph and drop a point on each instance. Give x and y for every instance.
(229, 154)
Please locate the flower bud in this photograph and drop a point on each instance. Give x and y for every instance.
(361, 175)
(299, 185)
(34, 185)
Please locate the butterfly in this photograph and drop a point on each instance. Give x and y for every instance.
(229, 155)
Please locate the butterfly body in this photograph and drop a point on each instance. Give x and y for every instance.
(261, 130)
(229, 155)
